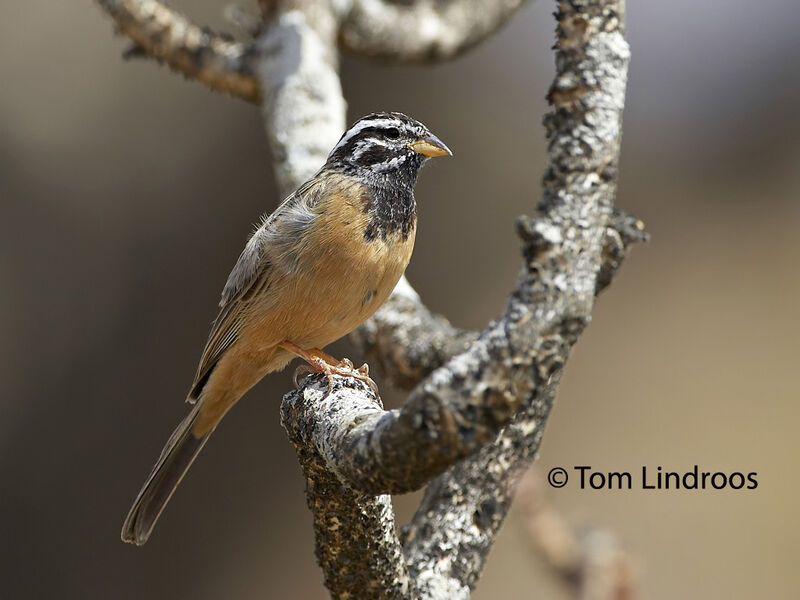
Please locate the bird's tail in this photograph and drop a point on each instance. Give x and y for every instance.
(176, 458)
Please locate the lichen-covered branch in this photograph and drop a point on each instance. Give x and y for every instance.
(564, 250)
(197, 53)
(422, 30)
(418, 31)
(303, 106)
(357, 545)
(452, 414)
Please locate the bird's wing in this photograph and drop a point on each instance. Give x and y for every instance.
(271, 248)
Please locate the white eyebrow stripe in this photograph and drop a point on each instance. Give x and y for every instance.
(370, 142)
(361, 125)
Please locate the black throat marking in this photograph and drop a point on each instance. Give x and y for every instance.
(389, 202)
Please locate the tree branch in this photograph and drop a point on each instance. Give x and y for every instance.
(197, 53)
(422, 30)
(462, 510)
(357, 545)
(303, 106)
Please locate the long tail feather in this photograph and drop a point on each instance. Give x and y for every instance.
(176, 458)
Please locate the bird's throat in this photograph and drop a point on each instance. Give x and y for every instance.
(391, 207)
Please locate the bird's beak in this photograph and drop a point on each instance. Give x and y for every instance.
(430, 146)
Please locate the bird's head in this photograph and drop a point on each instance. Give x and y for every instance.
(386, 143)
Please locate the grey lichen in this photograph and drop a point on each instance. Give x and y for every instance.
(357, 546)
(303, 105)
(422, 30)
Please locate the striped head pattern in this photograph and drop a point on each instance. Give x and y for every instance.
(386, 143)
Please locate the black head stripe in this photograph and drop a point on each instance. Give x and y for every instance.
(379, 143)
(375, 155)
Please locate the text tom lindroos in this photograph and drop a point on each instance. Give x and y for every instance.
(660, 479)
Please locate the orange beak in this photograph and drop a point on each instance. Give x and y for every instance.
(430, 146)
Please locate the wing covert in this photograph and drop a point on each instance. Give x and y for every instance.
(269, 248)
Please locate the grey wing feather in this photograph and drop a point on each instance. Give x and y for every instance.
(272, 246)
(247, 266)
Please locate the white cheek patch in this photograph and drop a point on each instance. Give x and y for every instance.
(389, 164)
(363, 145)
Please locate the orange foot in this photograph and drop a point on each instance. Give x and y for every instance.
(322, 362)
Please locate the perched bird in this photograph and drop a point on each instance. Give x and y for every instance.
(313, 271)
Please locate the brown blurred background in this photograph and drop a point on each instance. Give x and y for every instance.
(127, 193)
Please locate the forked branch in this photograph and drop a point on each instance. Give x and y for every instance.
(417, 31)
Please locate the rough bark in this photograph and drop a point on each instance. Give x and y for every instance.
(197, 53)
(356, 543)
(303, 106)
(423, 31)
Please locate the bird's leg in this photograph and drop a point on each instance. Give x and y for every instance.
(322, 362)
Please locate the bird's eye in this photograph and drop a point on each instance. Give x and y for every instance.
(393, 133)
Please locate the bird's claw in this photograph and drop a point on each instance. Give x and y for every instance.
(301, 371)
(344, 368)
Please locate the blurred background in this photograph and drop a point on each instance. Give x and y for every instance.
(126, 194)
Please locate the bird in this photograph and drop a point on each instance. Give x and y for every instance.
(315, 269)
